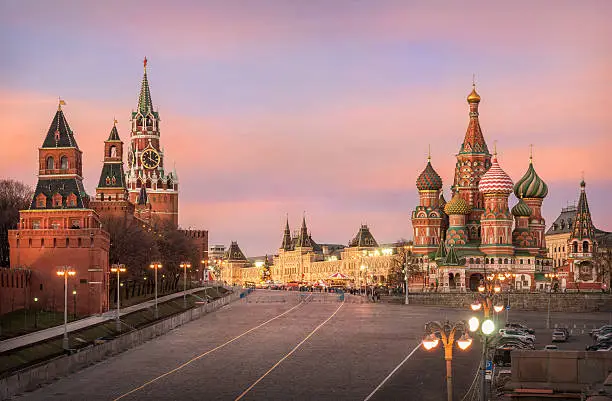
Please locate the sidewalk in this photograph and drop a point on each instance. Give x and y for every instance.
(51, 332)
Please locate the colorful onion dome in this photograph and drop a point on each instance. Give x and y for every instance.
(530, 185)
(521, 209)
(473, 97)
(457, 205)
(495, 180)
(429, 180)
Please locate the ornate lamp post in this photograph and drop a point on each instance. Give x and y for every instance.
(35, 312)
(551, 276)
(364, 269)
(204, 269)
(185, 266)
(486, 299)
(118, 269)
(65, 271)
(447, 332)
(74, 294)
(156, 266)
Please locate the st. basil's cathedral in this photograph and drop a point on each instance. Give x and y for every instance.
(461, 241)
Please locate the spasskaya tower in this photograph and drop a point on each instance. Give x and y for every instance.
(147, 176)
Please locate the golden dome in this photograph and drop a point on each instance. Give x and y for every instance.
(473, 97)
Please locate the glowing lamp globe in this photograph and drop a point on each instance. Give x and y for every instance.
(464, 342)
(481, 288)
(473, 323)
(430, 342)
(476, 306)
(488, 327)
(498, 308)
(497, 288)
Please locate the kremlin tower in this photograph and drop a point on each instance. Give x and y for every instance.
(146, 168)
(60, 229)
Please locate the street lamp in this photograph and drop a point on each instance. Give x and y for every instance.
(74, 292)
(185, 266)
(364, 269)
(156, 266)
(35, 312)
(65, 271)
(447, 332)
(204, 269)
(118, 269)
(551, 276)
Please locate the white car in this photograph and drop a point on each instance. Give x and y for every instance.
(517, 334)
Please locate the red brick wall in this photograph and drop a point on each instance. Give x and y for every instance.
(15, 289)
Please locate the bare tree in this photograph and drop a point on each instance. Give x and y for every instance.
(602, 261)
(14, 196)
(404, 264)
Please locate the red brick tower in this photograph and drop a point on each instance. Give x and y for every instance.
(473, 161)
(427, 218)
(146, 162)
(111, 192)
(60, 228)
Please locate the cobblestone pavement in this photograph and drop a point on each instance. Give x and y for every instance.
(308, 353)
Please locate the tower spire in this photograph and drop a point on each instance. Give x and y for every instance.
(144, 100)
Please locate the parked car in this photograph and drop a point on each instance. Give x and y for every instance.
(596, 332)
(559, 336)
(517, 334)
(597, 346)
(519, 326)
(565, 330)
(604, 337)
(551, 347)
(605, 348)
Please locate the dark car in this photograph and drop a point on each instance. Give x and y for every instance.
(519, 326)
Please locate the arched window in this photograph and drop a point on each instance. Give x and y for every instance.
(64, 163)
(575, 245)
(471, 260)
(499, 261)
(506, 261)
(113, 151)
(50, 163)
(585, 246)
(477, 261)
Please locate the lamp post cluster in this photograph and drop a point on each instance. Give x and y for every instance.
(118, 268)
(488, 299)
(185, 266)
(65, 272)
(551, 276)
(156, 266)
(446, 332)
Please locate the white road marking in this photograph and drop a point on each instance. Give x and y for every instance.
(392, 372)
(203, 355)
(288, 354)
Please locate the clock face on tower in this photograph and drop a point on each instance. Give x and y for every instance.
(150, 158)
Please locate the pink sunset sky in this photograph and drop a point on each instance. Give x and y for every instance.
(328, 107)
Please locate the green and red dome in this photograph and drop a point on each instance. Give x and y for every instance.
(530, 185)
(429, 180)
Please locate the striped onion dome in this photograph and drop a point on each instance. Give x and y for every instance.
(457, 205)
(521, 209)
(495, 180)
(429, 180)
(530, 185)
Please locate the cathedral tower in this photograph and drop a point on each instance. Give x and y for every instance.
(495, 186)
(532, 189)
(473, 161)
(145, 159)
(582, 244)
(427, 218)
